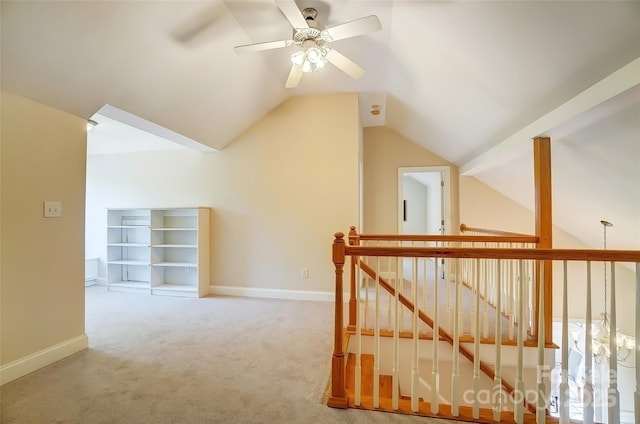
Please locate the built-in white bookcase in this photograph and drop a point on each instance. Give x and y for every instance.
(159, 251)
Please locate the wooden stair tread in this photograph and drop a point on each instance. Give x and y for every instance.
(366, 364)
(463, 339)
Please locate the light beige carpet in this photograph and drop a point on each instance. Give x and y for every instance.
(155, 359)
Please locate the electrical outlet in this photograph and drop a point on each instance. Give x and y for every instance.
(52, 209)
(304, 273)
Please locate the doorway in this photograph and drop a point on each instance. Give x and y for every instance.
(424, 200)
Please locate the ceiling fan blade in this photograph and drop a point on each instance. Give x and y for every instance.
(294, 77)
(345, 64)
(352, 29)
(290, 10)
(199, 24)
(256, 47)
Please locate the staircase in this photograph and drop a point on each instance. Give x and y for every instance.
(385, 402)
(489, 358)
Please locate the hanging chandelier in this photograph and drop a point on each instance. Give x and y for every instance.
(601, 330)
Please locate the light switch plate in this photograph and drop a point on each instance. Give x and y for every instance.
(52, 209)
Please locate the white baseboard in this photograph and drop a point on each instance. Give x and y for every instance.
(319, 296)
(30, 363)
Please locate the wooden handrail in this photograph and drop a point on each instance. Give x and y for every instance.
(496, 253)
(464, 227)
(449, 238)
(504, 237)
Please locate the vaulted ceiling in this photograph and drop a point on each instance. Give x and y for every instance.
(471, 81)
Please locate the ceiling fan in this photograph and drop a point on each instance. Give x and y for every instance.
(313, 38)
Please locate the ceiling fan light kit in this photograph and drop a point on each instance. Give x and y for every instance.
(312, 37)
(310, 59)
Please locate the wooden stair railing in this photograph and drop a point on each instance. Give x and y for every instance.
(485, 231)
(534, 240)
(339, 396)
(491, 232)
(504, 237)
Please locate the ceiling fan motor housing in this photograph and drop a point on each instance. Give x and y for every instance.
(315, 28)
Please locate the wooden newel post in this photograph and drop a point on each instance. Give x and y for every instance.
(353, 241)
(544, 229)
(338, 398)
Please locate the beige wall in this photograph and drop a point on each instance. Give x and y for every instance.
(42, 283)
(482, 206)
(278, 192)
(384, 151)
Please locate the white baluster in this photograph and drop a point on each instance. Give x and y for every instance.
(435, 376)
(497, 379)
(614, 394)
(509, 288)
(358, 366)
(447, 286)
(485, 309)
(376, 341)
(475, 287)
(389, 298)
(564, 383)
(415, 376)
(455, 392)
(512, 299)
(365, 321)
(531, 295)
(588, 397)
(425, 286)
(518, 412)
(502, 292)
(637, 393)
(540, 399)
(400, 286)
(396, 341)
(476, 352)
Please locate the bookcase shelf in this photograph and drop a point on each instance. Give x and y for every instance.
(158, 251)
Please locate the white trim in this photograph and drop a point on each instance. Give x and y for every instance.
(318, 296)
(30, 363)
(151, 127)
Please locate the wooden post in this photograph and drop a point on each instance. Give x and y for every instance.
(353, 241)
(338, 398)
(544, 228)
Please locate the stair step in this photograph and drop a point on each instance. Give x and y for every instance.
(424, 410)
(366, 364)
(404, 404)
(463, 339)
